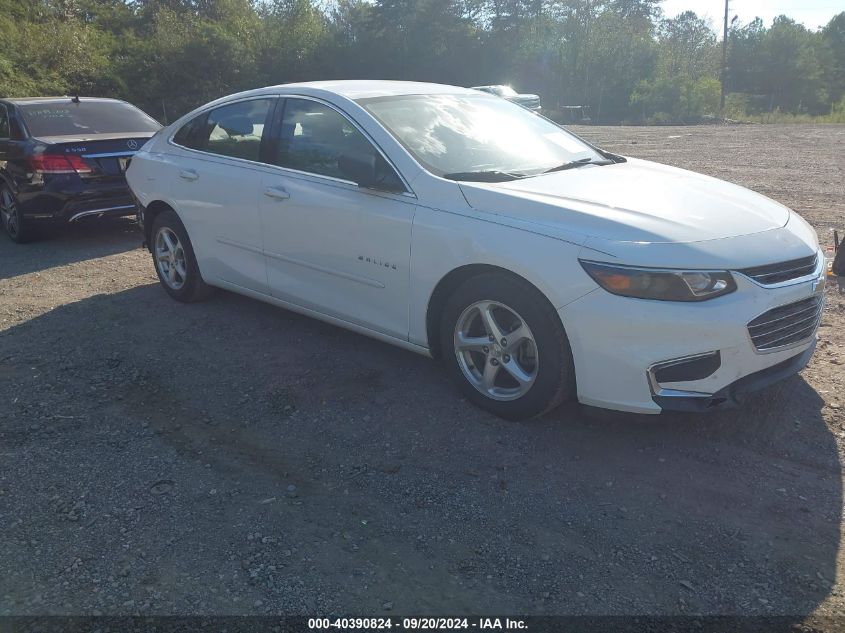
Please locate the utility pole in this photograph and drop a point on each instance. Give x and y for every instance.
(724, 73)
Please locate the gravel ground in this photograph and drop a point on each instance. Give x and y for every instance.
(230, 457)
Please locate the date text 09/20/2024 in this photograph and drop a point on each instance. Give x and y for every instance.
(435, 624)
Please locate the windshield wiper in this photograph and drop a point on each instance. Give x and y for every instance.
(578, 163)
(491, 175)
(496, 175)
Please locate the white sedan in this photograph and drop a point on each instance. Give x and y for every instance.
(462, 226)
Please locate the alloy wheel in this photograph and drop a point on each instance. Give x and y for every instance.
(496, 350)
(170, 258)
(9, 212)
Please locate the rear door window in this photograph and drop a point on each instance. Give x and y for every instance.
(233, 130)
(236, 130)
(86, 118)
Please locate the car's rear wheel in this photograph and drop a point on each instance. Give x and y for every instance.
(838, 267)
(174, 259)
(505, 346)
(11, 217)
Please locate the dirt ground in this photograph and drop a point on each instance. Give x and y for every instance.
(230, 457)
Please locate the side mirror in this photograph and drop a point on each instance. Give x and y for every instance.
(359, 168)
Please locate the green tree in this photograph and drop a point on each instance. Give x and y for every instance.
(687, 47)
(833, 37)
(184, 61)
(791, 73)
(623, 50)
(290, 37)
(618, 57)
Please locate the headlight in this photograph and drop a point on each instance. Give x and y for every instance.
(659, 284)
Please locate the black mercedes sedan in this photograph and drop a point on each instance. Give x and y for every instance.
(62, 159)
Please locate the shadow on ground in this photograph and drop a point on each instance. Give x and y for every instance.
(231, 457)
(68, 243)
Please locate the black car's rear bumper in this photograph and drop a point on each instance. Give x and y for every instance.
(71, 202)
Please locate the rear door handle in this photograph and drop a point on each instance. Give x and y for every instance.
(188, 174)
(277, 193)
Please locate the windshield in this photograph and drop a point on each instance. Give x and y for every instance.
(506, 91)
(464, 134)
(86, 118)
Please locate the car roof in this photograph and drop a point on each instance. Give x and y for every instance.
(364, 88)
(352, 89)
(42, 100)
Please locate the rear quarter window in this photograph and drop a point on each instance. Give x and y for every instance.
(4, 121)
(191, 135)
(15, 131)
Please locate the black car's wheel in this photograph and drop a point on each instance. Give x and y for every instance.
(174, 260)
(504, 344)
(838, 267)
(11, 217)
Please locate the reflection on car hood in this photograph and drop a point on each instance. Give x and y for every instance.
(636, 201)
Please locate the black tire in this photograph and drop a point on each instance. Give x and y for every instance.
(11, 218)
(192, 287)
(554, 379)
(838, 267)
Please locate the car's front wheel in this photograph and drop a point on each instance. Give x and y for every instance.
(174, 259)
(838, 267)
(504, 344)
(11, 217)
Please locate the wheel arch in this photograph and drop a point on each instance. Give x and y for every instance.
(150, 213)
(449, 283)
(7, 180)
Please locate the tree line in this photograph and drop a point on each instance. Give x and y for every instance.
(623, 60)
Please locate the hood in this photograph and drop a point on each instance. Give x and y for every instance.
(636, 201)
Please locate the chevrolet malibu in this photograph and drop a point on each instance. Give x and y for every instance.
(464, 227)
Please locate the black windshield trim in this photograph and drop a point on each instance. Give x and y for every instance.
(575, 164)
(491, 175)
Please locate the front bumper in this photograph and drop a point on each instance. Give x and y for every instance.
(616, 341)
(732, 395)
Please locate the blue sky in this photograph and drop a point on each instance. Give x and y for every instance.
(812, 13)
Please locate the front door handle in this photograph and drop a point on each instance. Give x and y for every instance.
(188, 174)
(277, 193)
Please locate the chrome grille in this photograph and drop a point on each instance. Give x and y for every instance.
(783, 271)
(785, 325)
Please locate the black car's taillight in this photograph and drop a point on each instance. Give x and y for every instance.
(59, 164)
